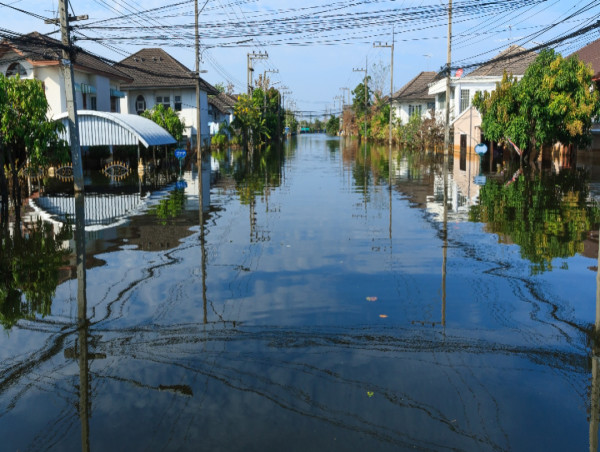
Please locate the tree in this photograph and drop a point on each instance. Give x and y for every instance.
(27, 137)
(167, 119)
(553, 102)
(220, 87)
(333, 125)
(360, 105)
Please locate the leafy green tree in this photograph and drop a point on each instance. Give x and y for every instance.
(333, 125)
(553, 102)
(27, 137)
(167, 119)
(220, 87)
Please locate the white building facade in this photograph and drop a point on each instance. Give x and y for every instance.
(158, 78)
(35, 56)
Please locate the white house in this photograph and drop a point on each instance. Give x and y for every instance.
(515, 60)
(158, 78)
(220, 111)
(35, 56)
(414, 98)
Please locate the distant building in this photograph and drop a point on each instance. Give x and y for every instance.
(158, 78)
(220, 111)
(414, 98)
(590, 54)
(35, 56)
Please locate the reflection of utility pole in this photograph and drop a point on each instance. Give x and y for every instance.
(251, 57)
(595, 389)
(448, 65)
(67, 68)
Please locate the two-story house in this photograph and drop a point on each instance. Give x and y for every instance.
(466, 121)
(158, 78)
(513, 60)
(35, 56)
(414, 99)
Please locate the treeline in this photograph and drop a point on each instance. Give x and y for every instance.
(369, 115)
(258, 119)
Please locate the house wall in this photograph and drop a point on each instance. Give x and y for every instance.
(401, 110)
(468, 124)
(54, 85)
(457, 85)
(188, 107)
(102, 85)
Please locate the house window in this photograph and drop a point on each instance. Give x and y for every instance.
(164, 100)
(177, 103)
(430, 106)
(442, 101)
(464, 99)
(414, 110)
(93, 103)
(84, 97)
(16, 69)
(140, 104)
(114, 104)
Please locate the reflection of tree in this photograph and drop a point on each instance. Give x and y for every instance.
(29, 272)
(256, 173)
(170, 207)
(547, 215)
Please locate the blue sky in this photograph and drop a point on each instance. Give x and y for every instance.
(315, 45)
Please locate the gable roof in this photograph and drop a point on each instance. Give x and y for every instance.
(222, 102)
(155, 68)
(590, 54)
(515, 60)
(417, 88)
(41, 50)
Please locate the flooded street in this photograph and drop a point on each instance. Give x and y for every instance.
(316, 309)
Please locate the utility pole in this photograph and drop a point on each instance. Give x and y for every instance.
(391, 47)
(274, 71)
(366, 91)
(198, 116)
(448, 65)
(67, 68)
(251, 57)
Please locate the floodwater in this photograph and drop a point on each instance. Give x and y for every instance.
(315, 309)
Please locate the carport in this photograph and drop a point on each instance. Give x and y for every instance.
(101, 128)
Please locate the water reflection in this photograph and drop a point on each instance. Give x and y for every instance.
(30, 261)
(385, 325)
(548, 215)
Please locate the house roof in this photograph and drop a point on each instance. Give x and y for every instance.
(590, 54)
(515, 60)
(222, 102)
(155, 68)
(42, 50)
(101, 128)
(417, 88)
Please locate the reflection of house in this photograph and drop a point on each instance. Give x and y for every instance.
(220, 111)
(35, 56)
(158, 78)
(484, 78)
(414, 98)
